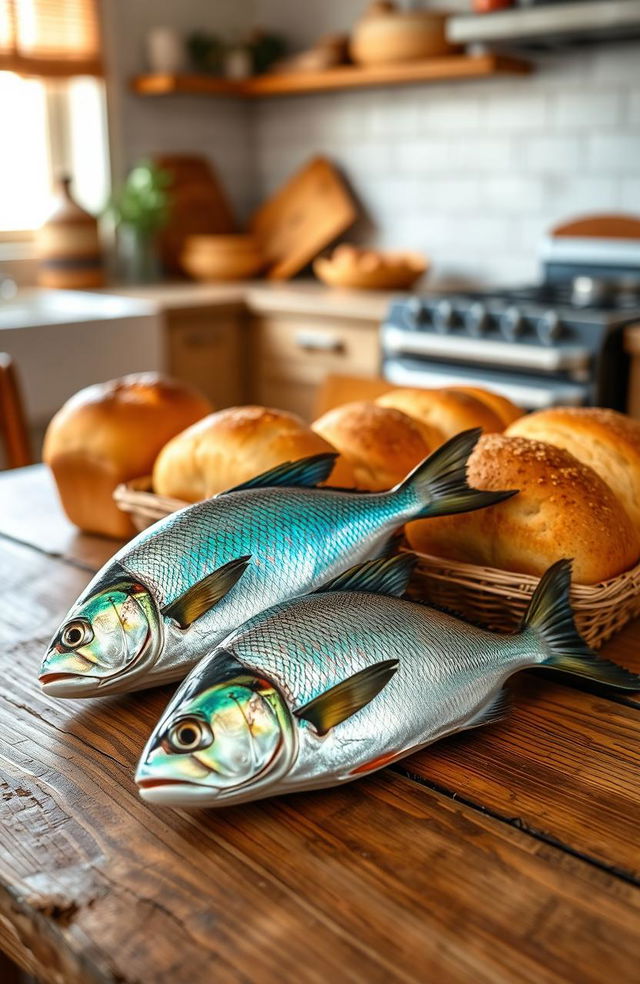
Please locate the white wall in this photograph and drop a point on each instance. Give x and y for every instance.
(218, 128)
(471, 172)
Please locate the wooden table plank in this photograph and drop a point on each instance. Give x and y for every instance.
(382, 880)
(30, 512)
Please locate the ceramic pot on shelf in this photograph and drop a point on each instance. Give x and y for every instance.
(386, 35)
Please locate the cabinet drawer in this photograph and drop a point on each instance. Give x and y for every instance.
(206, 350)
(316, 347)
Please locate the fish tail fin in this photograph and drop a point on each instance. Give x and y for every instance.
(550, 619)
(438, 485)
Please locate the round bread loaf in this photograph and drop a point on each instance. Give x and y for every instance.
(448, 410)
(381, 444)
(563, 510)
(606, 440)
(504, 408)
(234, 445)
(110, 433)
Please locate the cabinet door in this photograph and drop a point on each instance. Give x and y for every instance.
(205, 348)
(292, 355)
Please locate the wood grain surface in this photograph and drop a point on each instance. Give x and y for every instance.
(510, 853)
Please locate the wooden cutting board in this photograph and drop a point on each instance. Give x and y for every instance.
(303, 217)
(198, 204)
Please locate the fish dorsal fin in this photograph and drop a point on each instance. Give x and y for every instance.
(206, 593)
(385, 576)
(306, 473)
(348, 697)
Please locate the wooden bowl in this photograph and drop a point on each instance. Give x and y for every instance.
(351, 266)
(212, 258)
(384, 37)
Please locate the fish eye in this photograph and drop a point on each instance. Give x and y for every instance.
(76, 633)
(188, 734)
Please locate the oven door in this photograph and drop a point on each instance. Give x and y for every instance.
(527, 391)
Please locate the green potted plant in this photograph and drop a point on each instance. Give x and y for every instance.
(139, 209)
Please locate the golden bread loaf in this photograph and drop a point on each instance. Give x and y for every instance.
(607, 441)
(110, 433)
(234, 445)
(381, 444)
(504, 408)
(449, 411)
(563, 509)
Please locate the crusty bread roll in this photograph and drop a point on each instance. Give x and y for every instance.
(606, 440)
(563, 510)
(234, 445)
(381, 444)
(110, 433)
(448, 410)
(504, 408)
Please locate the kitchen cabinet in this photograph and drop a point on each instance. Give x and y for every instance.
(205, 347)
(292, 354)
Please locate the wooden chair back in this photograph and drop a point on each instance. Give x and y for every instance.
(13, 421)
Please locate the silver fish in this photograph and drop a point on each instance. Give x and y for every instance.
(172, 594)
(323, 689)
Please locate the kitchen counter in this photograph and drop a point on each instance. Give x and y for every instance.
(507, 853)
(263, 297)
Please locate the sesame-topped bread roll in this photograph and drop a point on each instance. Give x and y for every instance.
(504, 408)
(448, 410)
(606, 440)
(234, 445)
(381, 444)
(110, 433)
(563, 509)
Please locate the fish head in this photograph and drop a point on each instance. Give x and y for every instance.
(226, 735)
(108, 636)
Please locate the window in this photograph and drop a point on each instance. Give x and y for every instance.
(53, 113)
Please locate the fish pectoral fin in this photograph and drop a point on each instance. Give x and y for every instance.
(306, 473)
(494, 710)
(346, 698)
(206, 593)
(384, 575)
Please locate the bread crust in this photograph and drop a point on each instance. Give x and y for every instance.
(381, 444)
(111, 433)
(607, 441)
(501, 406)
(448, 410)
(233, 445)
(563, 510)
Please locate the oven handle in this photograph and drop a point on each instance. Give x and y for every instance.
(524, 394)
(547, 358)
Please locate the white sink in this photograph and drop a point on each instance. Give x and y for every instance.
(64, 340)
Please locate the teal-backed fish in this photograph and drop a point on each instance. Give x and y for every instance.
(176, 590)
(324, 689)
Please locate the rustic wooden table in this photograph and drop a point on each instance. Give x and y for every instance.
(506, 854)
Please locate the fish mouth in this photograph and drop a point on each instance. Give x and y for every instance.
(68, 684)
(176, 792)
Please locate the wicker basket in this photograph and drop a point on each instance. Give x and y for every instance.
(498, 599)
(483, 595)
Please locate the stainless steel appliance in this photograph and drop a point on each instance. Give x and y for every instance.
(549, 24)
(559, 342)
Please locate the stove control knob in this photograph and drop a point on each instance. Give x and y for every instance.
(443, 317)
(415, 314)
(512, 323)
(549, 327)
(476, 320)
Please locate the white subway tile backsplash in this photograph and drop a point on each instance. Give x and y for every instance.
(619, 154)
(572, 109)
(540, 154)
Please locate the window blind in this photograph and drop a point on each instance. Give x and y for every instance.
(50, 37)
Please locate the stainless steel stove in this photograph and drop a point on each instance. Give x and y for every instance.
(557, 342)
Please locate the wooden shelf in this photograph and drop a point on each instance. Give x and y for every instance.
(448, 68)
